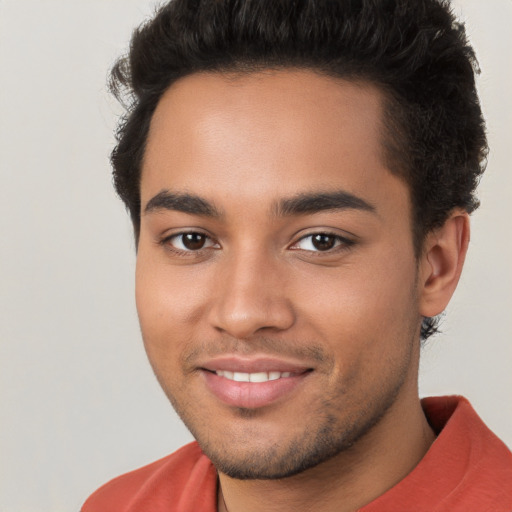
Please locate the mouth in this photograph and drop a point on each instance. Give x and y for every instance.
(252, 377)
(252, 384)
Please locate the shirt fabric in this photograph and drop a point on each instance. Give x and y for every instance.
(467, 469)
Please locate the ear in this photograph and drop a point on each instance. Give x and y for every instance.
(444, 252)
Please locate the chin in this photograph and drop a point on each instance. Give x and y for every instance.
(264, 460)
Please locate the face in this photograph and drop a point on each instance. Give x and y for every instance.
(276, 276)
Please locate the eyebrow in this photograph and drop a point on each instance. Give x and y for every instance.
(315, 202)
(181, 202)
(302, 204)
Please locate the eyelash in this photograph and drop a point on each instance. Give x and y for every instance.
(166, 242)
(341, 244)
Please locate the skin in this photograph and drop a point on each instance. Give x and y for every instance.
(351, 314)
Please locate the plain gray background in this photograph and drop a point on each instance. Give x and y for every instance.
(79, 404)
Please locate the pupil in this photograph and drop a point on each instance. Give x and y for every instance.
(193, 241)
(323, 242)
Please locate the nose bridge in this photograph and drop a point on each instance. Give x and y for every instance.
(251, 294)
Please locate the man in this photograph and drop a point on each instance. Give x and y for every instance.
(299, 175)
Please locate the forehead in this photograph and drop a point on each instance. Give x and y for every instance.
(266, 134)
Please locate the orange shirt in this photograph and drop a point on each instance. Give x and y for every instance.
(467, 469)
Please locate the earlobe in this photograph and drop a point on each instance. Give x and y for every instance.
(441, 263)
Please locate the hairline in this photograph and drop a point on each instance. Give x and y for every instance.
(390, 129)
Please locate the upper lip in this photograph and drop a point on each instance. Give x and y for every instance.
(240, 364)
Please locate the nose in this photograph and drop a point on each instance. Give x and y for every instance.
(250, 297)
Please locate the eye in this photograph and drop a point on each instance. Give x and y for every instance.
(321, 242)
(189, 242)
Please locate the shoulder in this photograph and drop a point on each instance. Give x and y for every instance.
(172, 483)
(471, 455)
(467, 468)
(471, 465)
(462, 431)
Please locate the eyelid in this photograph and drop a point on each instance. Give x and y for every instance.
(165, 241)
(342, 242)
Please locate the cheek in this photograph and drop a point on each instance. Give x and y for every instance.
(169, 304)
(367, 311)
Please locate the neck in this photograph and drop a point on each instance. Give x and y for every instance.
(347, 481)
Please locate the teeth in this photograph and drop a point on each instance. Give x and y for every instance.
(252, 377)
(258, 377)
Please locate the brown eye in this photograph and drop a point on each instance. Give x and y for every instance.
(190, 242)
(193, 241)
(323, 242)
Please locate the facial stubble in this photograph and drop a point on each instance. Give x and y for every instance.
(334, 433)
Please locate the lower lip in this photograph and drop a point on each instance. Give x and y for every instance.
(251, 395)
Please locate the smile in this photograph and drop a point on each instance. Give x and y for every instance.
(252, 390)
(252, 377)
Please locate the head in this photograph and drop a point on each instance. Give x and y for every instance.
(260, 134)
(433, 133)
